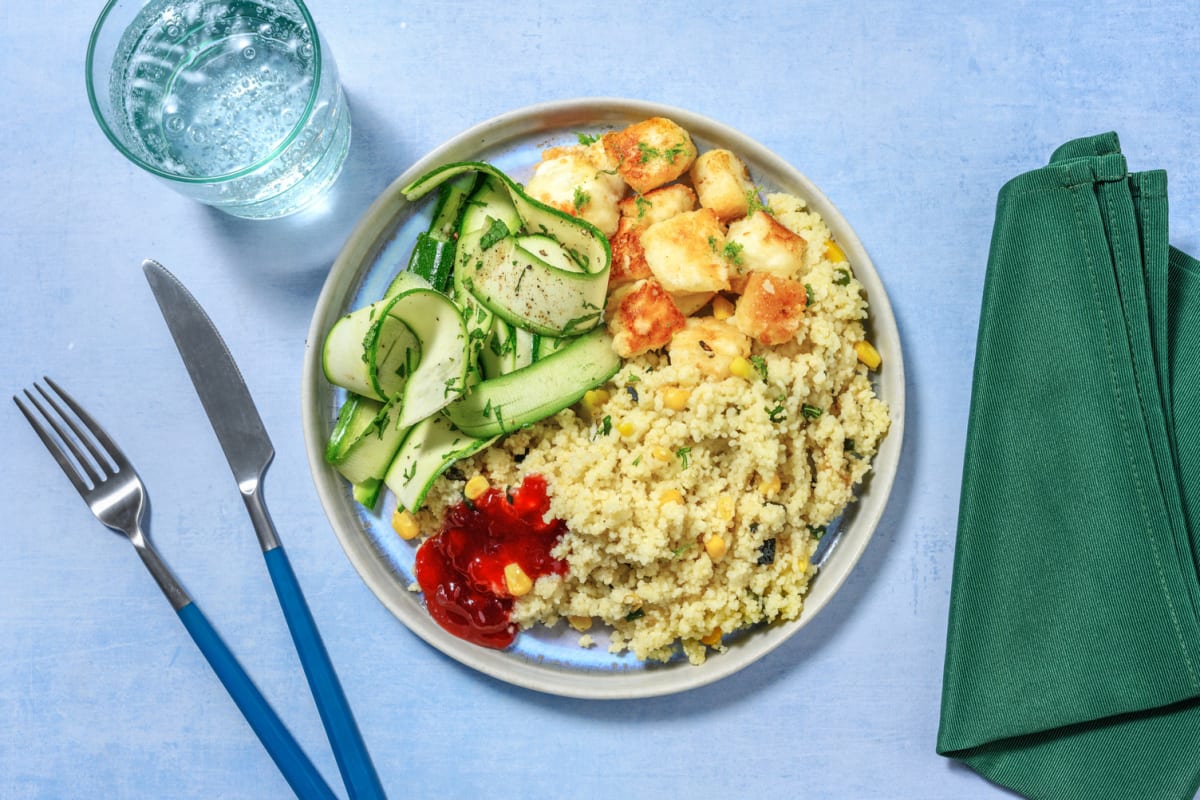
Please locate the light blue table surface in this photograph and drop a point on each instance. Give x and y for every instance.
(909, 116)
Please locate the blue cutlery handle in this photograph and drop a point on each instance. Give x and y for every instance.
(358, 772)
(299, 772)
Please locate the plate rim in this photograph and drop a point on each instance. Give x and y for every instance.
(350, 266)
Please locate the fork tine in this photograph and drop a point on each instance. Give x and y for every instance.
(95, 468)
(52, 445)
(113, 453)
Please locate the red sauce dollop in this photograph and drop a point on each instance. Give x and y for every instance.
(461, 568)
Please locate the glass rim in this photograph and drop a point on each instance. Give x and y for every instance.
(89, 67)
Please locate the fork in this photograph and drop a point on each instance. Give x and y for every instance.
(110, 486)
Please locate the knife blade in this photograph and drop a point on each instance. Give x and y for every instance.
(248, 449)
(221, 388)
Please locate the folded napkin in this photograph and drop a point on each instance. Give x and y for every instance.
(1073, 650)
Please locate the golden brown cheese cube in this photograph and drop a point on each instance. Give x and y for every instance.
(708, 344)
(628, 257)
(650, 153)
(613, 302)
(771, 308)
(760, 243)
(686, 252)
(645, 318)
(722, 183)
(575, 180)
(657, 205)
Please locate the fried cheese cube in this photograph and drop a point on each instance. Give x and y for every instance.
(650, 153)
(686, 252)
(613, 302)
(722, 183)
(657, 205)
(763, 244)
(708, 344)
(579, 180)
(628, 256)
(771, 308)
(645, 318)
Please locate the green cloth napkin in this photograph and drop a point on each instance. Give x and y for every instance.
(1073, 650)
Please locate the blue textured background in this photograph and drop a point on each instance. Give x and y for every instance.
(909, 116)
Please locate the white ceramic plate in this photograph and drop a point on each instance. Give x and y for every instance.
(550, 660)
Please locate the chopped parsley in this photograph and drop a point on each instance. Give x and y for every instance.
(606, 425)
(637, 613)
(495, 232)
(678, 551)
(581, 198)
(808, 294)
(643, 205)
(579, 322)
(675, 150)
(521, 277)
(811, 412)
(817, 531)
(587, 138)
(733, 253)
(670, 154)
(777, 414)
(843, 277)
(760, 365)
(753, 203)
(684, 453)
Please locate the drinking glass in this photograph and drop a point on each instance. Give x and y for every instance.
(234, 104)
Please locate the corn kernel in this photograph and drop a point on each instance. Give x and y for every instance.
(834, 252)
(713, 639)
(593, 399)
(722, 308)
(867, 354)
(802, 565)
(771, 486)
(660, 453)
(476, 487)
(516, 580)
(580, 624)
(741, 367)
(405, 524)
(676, 398)
(625, 428)
(715, 547)
(725, 507)
(670, 496)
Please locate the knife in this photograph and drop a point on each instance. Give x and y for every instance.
(248, 449)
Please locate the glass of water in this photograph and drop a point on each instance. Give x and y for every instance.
(235, 104)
